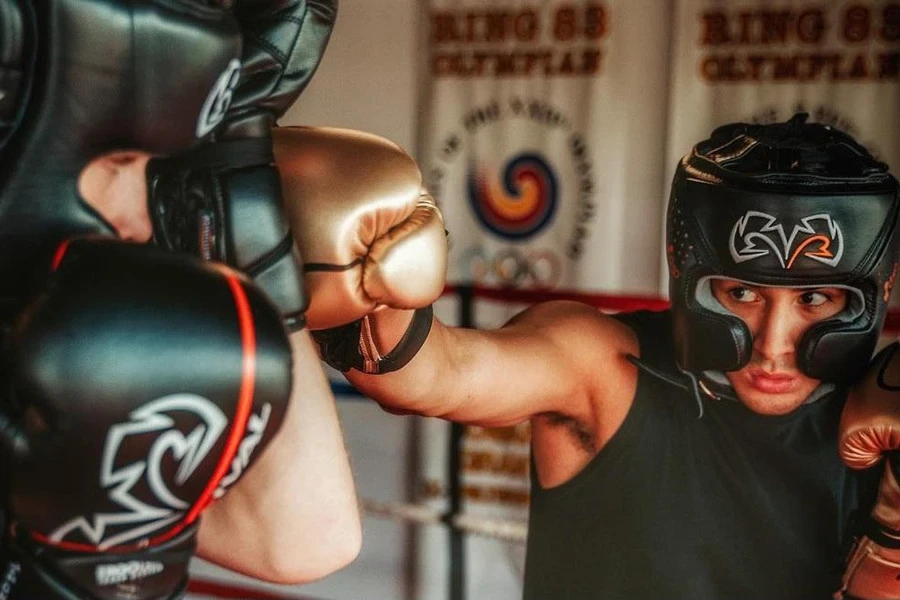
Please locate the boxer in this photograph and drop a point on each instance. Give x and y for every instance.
(121, 420)
(690, 453)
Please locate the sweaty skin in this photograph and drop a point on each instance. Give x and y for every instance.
(294, 517)
(573, 379)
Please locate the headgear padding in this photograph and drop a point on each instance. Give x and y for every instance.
(100, 76)
(792, 204)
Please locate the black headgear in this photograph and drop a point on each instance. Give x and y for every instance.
(792, 204)
(81, 78)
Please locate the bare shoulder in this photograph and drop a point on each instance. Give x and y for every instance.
(596, 345)
(578, 326)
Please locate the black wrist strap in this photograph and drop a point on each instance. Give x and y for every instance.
(229, 154)
(881, 534)
(408, 346)
(343, 347)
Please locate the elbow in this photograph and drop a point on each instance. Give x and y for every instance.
(341, 555)
(341, 552)
(291, 565)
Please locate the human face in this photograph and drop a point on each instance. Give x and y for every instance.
(771, 383)
(115, 185)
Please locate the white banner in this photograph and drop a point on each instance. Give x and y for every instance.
(763, 61)
(543, 142)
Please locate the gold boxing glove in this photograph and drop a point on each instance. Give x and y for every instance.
(870, 431)
(370, 235)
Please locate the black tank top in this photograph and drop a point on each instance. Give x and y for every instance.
(730, 506)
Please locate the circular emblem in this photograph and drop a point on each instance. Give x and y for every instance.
(517, 203)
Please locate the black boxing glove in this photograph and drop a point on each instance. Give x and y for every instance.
(223, 201)
(137, 386)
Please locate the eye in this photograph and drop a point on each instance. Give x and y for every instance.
(742, 294)
(833, 299)
(814, 298)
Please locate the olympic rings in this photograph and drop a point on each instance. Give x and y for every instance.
(512, 268)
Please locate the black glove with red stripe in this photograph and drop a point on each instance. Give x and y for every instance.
(138, 385)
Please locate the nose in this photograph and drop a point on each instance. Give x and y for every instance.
(776, 334)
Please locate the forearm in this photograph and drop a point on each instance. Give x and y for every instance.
(294, 517)
(411, 388)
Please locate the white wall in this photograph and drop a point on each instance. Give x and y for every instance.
(367, 79)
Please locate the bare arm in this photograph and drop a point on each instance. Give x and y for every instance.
(293, 517)
(558, 357)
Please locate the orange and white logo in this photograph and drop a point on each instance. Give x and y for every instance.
(758, 234)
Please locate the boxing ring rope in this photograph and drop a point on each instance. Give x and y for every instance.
(506, 530)
(459, 523)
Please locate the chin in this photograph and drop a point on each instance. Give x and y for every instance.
(772, 403)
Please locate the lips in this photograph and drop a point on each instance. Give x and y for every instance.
(772, 383)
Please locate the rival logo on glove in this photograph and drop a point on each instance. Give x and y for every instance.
(256, 427)
(146, 515)
(758, 234)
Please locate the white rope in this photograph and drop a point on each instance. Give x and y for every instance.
(511, 531)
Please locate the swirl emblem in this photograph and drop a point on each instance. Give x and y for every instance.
(520, 205)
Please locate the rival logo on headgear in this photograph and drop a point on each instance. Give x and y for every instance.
(524, 204)
(759, 234)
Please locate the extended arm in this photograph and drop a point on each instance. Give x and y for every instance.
(561, 357)
(375, 254)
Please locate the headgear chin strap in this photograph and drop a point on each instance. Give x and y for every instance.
(792, 204)
(81, 78)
